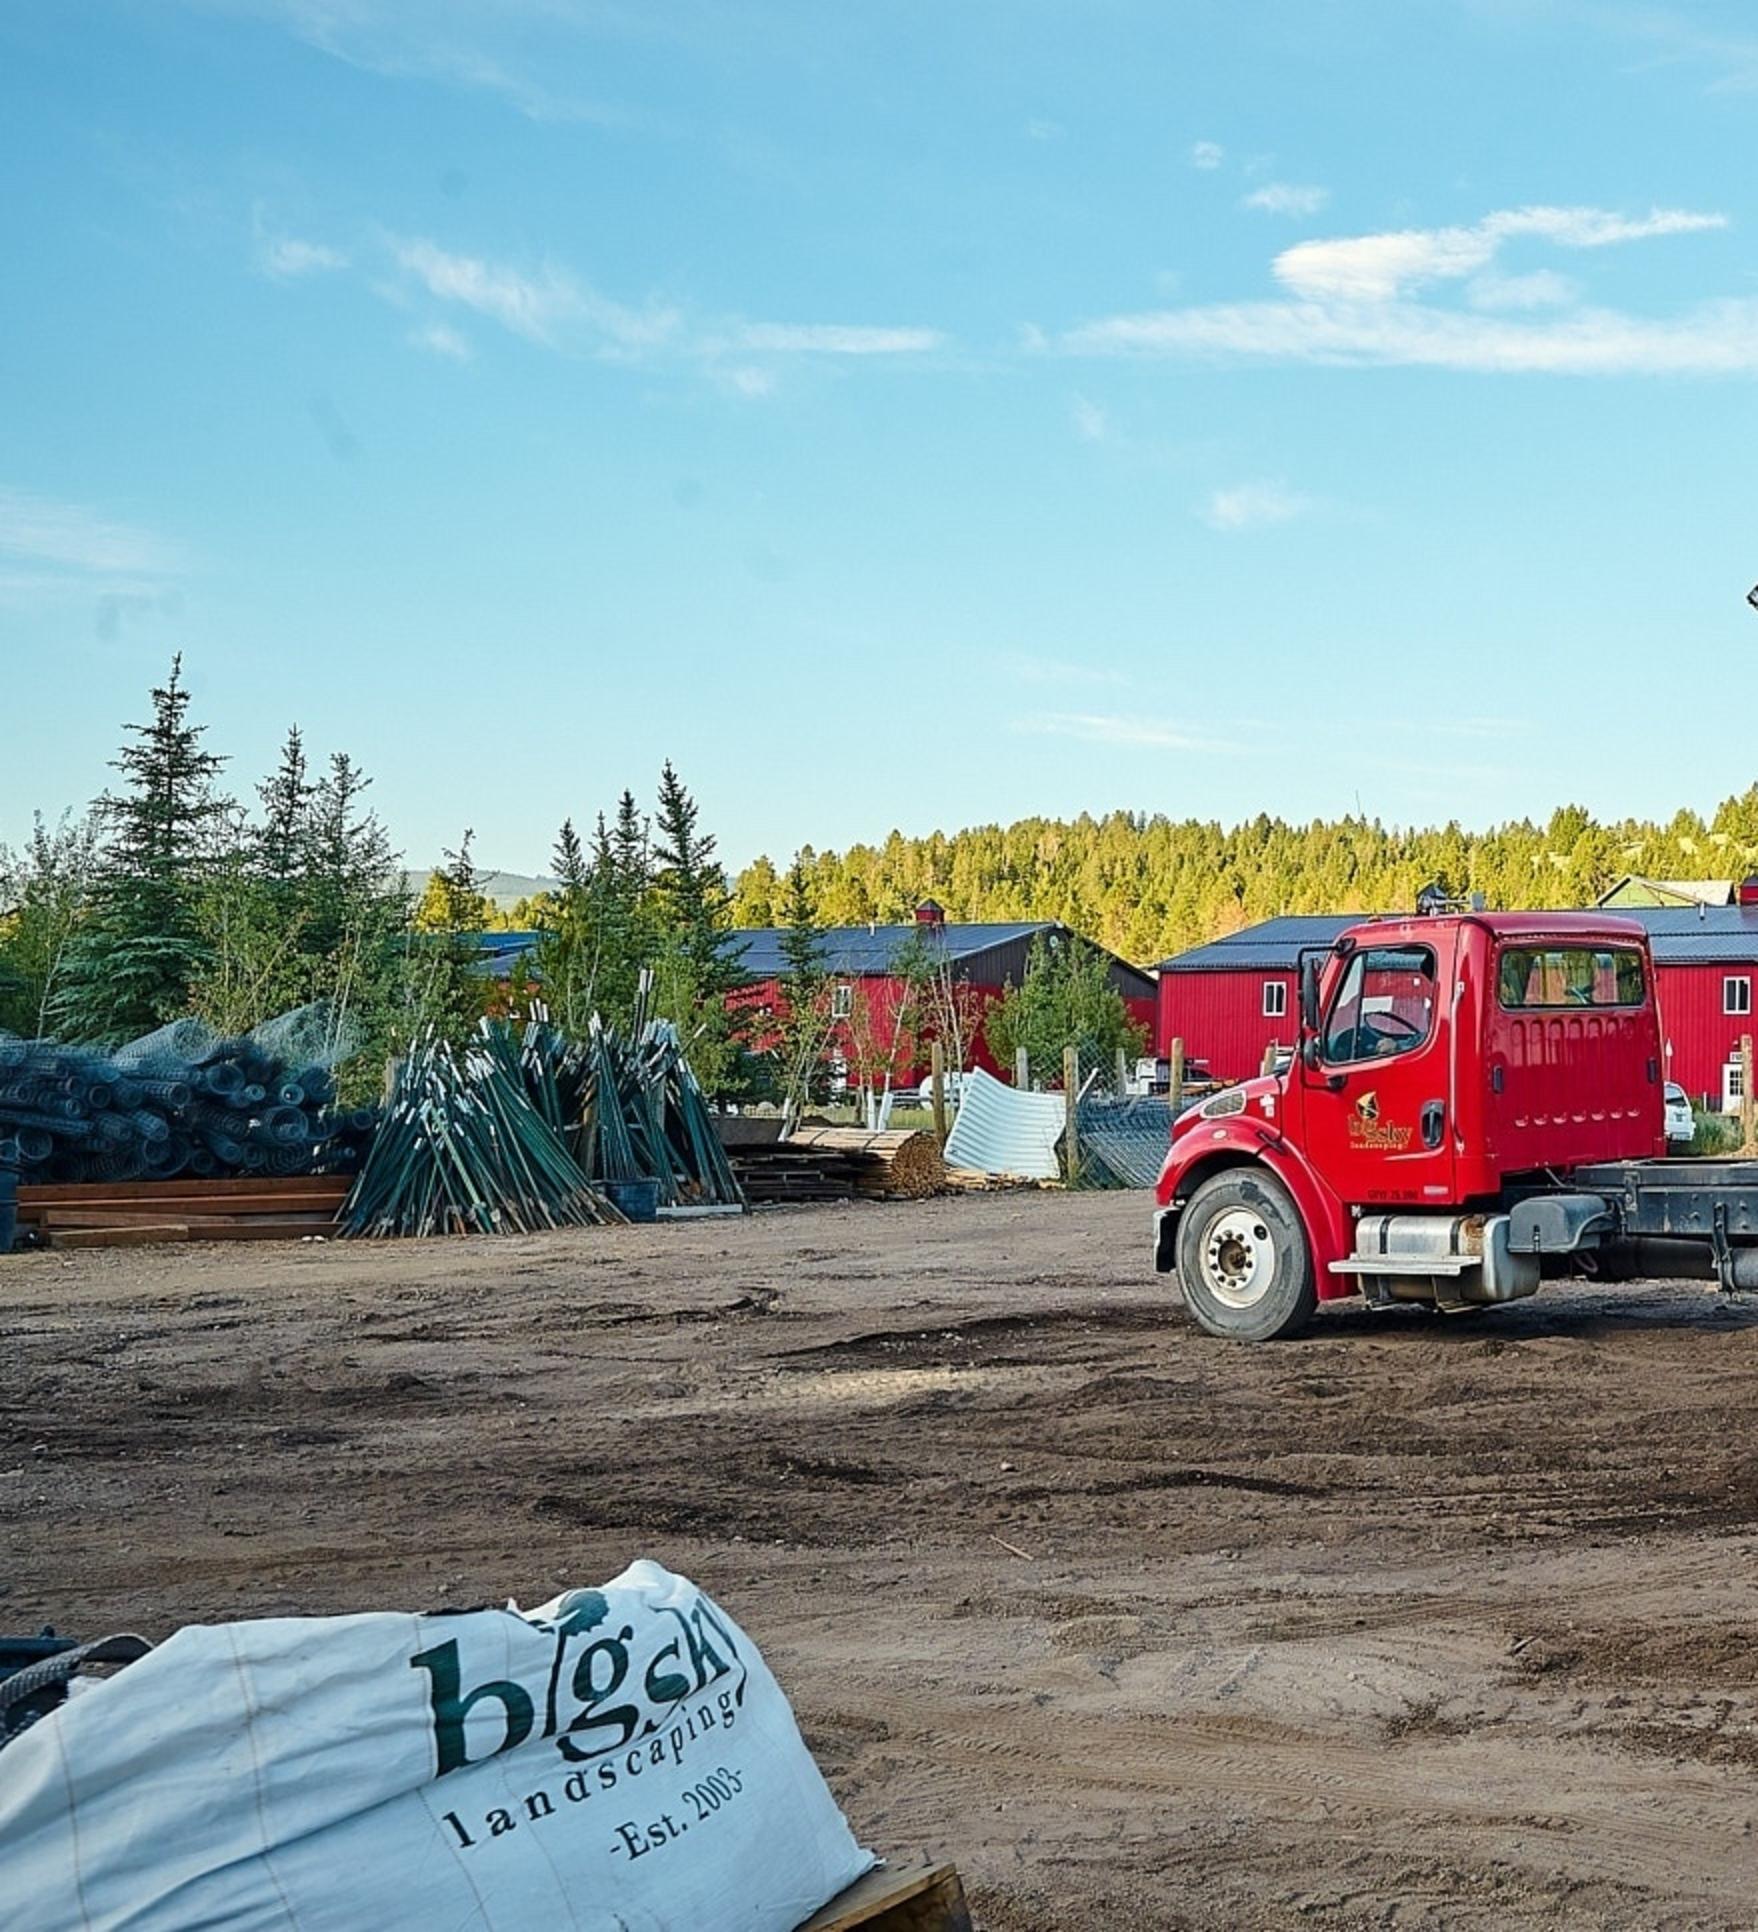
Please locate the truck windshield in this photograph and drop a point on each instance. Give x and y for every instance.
(1385, 1004)
(1545, 976)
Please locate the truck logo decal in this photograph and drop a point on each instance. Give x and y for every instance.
(1372, 1135)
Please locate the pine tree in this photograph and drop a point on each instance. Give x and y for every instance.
(697, 965)
(628, 844)
(45, 891)
(565, 954)
(804, 1026)
(284, 839)
(448, 990)
(134, 961)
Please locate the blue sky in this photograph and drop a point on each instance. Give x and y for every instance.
(897, 414)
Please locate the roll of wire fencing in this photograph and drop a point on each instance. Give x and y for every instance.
(1121, 1136)
(183, 1100)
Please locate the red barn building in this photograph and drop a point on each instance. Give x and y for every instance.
(866, 988)
(1231, 1000)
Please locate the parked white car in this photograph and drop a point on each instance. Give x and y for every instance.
(1679, 1124)
(954, 1081)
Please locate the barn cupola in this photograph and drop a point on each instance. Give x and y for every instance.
(930, 913)
(1749, 890)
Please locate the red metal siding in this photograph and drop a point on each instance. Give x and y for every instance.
(1220, 1018)
(1697, 1037)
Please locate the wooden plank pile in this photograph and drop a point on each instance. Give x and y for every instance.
(833, 1163)
(117, 1214)
(901, 1165)
(775, 1173)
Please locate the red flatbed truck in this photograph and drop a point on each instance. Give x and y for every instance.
(1475, 1103)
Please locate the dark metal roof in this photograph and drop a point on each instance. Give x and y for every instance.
(1699, 936)
(989, 952)
(1273, 947)
(1677, 935)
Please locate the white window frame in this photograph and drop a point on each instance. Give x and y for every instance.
(1736, 994)
(1275, 1004)
(842, 1001)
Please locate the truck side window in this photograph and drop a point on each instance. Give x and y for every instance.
(1384, 1006)
(1548, 976)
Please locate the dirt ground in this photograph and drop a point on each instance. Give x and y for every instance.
(1418, 1622)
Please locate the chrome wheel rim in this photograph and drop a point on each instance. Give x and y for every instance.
(1238, 1257)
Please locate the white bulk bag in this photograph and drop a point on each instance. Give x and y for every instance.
(621, 1758)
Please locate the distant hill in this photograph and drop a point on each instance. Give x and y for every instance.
(503, 890)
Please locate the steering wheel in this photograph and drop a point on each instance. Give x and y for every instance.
(1390, 1025)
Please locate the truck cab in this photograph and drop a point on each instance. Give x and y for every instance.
(1449, 1068)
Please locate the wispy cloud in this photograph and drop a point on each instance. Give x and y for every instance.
(1248, 506)
(1544, 288)
(836, 339)
(441, 339)
(1351, 304)
(1287, 198)
(285, 257)
(1061, 672)
(755, 383)
(1207, 156)
(1091, 424)
(43, 531)
(1732, 58)
(1718, 338)
(1121, 730)
(500, 49)
(542, 305)
(1377, 268)
(53, 552)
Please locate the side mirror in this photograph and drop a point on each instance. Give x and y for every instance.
(1309, 1015)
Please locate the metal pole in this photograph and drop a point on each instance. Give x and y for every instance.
(1070, 1109)
(1746, 1095)
(1175, 1082)
(937, 1062)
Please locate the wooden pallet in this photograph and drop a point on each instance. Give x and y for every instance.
(912, 1898)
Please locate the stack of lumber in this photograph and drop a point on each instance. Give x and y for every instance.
(902, 1165)
(774, 1172)
(116, 1214)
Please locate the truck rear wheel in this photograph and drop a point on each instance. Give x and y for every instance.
(1242, 1258)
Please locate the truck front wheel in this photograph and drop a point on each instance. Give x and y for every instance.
(1242, 1258)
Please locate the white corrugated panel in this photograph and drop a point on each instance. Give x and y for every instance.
(1000, 1130)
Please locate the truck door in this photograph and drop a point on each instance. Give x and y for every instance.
(1378, 1102)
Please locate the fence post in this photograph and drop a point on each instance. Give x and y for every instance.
(1070, 1109)
(1746, 1096)
(1022, 1071)
(1122, 1074)
(1175, 1078)
(1269, 1065)
(937, 1063)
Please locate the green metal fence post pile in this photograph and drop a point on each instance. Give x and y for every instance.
(643, 1117)
(463, 1150)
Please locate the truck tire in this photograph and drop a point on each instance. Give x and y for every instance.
(1243, 1262)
